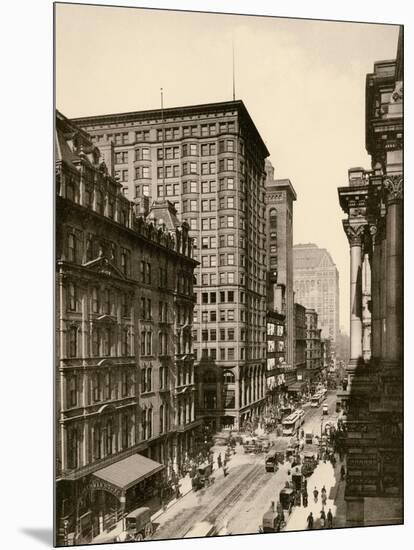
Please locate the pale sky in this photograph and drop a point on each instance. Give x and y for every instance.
(303, 83)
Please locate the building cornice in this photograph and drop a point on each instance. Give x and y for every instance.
(180, 112)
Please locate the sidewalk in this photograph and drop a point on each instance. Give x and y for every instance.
(185, 488)
(324, 474)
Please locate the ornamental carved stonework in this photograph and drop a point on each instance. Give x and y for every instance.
(394, 185)
(355, 233)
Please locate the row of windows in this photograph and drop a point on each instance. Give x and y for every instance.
(173, 171)
(210, 279)
(211, 297)
(77, 253)
(211, 335)
(188, 187)
(105, 438)
(105, 342)
(170, 153)
(103, 386)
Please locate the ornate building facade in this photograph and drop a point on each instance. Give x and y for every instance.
(125, 385)
(279, 199)
(373, 400)
(209, 161)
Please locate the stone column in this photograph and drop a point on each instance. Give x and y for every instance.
(355, 235)
(394, 274)
(376, 290)
(366, 313)
(243, 390)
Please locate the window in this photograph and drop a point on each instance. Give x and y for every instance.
(125, 342)
(230, 240)
(149, 343)
(73, 341)
(230, 315)
(193, 223)
(230, 221)
(193, 206)
(230, 354)
(125, 262)
(213, 316)
(230, 259)
(230, 296)
(95, 300)
(121, 157)
(72, 297)
(71, 247)
(230, 202)
(230, 334)
(193, 168)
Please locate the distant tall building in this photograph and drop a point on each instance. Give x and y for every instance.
(316, 285)
(209, 161)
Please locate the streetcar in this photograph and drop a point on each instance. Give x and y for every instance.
(292, 423)
(317, 399)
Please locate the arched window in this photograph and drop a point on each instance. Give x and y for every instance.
(229, 377)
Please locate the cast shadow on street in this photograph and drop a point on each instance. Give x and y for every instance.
(44, 535)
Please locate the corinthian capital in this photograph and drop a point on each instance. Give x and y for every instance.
(355, 233)
(394, 186)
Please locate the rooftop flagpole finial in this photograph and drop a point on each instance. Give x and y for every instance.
(234, 78)
(163, 139)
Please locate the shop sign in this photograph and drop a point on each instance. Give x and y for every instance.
(102, 485)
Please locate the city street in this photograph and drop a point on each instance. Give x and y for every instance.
(236, 504)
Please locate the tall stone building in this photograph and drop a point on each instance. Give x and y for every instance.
(209, 161)
(125, 388)
(316, 285)
(280, 196)
(298, 379)
(373, 398)
(313, 346)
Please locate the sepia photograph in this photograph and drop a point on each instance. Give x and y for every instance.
(229, 274)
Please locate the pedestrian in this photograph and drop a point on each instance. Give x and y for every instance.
(310, 521)
(323, 518)
(315, 494)
(219, 460)
(329, 517)
(305, 499)
(342, 472)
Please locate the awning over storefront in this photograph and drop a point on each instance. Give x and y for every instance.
(128, 472)
(296, 386)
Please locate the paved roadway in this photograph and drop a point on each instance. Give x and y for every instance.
(236, 504)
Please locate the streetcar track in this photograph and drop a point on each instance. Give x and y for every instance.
(235, 494)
